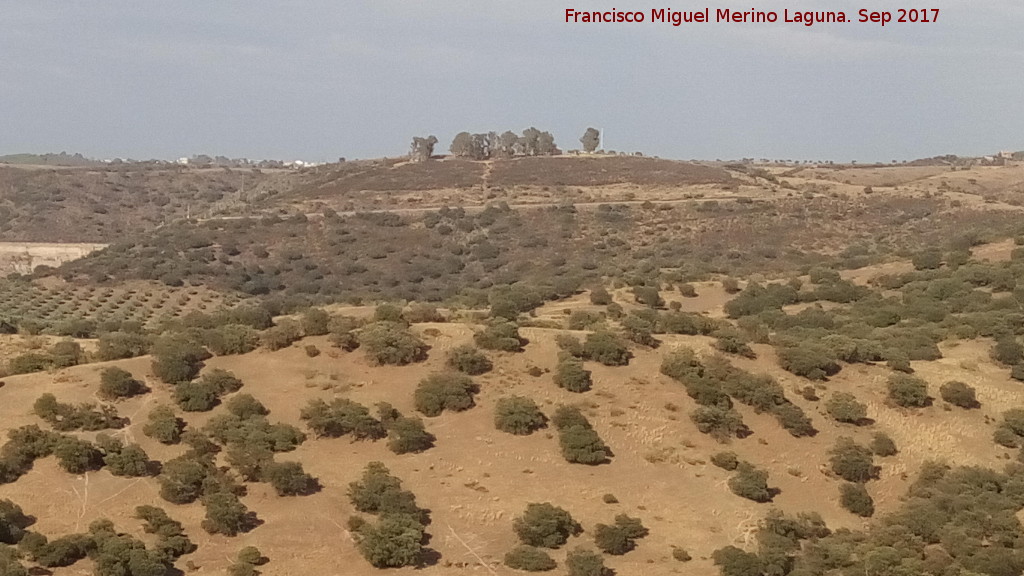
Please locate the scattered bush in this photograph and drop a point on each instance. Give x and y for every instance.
(583, 562)
(195, 396)
(518, 415)
(600, 296)
(289, 479)
(844, 407)
(855, 498)
(77, 456)
(545, 525)
(606, 348)
(407, 435)
(177, 358)
(226, 514)
(812, 361)
(469, 360)
(120, 345)
(571, 375)
(959, 394)
(391, 343)
(342, 416)
(750, 483)
(725, 460)
(883, 445)
(119, 383)
(621, 537)
(503, 336)
(445, 391)
(315, 322)
(720, 423)
(851, 461)
(529, 559)
(908, 391)
(163, 425)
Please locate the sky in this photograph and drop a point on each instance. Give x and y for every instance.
(318, 80)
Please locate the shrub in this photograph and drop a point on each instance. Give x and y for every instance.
(77, 456)
(231, 339)
(600, 296)
(518, 415)
(583, 562)
(195, 396)
(639, 330)
(606, 348)
(730, 285)
(582, 445)
(388, 313)
(648, 296)
(529, 559)
(851, 461)
(733, 342)
(130, 461)
(1008, 351)
(289, 479)
(176, 358)
(735, 562)
(378, 492)
(750, 483)
(66, 353)
(391, 343)
(609, 498)
(407, 435)
(469, 360)
(545, 525)
(281, 336)
(245, 406)
(566, 416)
(393, 542)
(120, 345)
(959, 394)
(1005, 436)
(844, 407)
(681, 554)
(908, 391)
(620, 537)
(64, 551)
(221, 381)
(226, 514)
(342, 416)
(883, 445)
(251, 555)
(315, 322)
(571, 375)
(119, 383)
(687, 290)
(812, 361)
(163, 426)
(503, 336)
(445, 391)
(182, 478)
(420, 313)
(927, 260)
(855, 498)
(1014, 420)
(1017, 372)
(794, 420)
(718, 422)
(569, 344)
(725, 460)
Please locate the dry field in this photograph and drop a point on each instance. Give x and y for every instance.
(477, 479)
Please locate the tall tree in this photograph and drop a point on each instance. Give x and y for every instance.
(422, 148)
(591, 139)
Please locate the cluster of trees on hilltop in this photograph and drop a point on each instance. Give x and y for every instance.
(508, 144)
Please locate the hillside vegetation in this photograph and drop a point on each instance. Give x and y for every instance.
(703, 379)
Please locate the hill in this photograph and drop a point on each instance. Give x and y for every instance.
(656, 367)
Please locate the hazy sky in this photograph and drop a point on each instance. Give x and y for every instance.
(357, 78)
